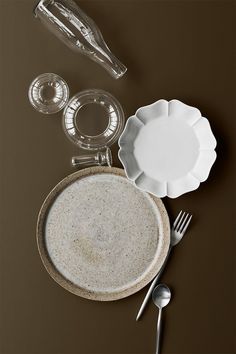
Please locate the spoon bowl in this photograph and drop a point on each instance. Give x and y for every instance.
(161, 295)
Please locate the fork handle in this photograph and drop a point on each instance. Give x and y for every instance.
(152, 286)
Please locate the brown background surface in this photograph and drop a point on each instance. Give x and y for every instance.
(173, 49)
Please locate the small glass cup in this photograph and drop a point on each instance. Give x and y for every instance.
(99, 158)
(48, 93)
(113, 110)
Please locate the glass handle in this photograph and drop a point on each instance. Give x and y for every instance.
(99, 158)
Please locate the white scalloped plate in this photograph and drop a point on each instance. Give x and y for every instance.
(167, 148)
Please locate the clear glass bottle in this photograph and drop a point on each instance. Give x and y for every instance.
(78, 31)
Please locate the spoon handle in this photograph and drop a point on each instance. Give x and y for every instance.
(158, 331)
(152, 286)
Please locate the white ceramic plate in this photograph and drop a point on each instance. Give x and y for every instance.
(100, 237)
(167, 148)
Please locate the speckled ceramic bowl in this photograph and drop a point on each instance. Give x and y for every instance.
(100, 237)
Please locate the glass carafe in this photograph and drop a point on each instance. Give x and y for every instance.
(78, 31)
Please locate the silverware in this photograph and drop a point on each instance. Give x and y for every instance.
(161, 297)
(177, 232)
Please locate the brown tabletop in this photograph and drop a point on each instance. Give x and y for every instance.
(173, 49)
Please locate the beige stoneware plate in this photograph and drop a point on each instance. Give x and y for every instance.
(100, 237)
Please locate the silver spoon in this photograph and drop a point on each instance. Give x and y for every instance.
(161, 297)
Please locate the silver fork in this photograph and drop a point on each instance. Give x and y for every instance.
(177, 232)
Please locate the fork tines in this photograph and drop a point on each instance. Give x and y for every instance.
(182, 221)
